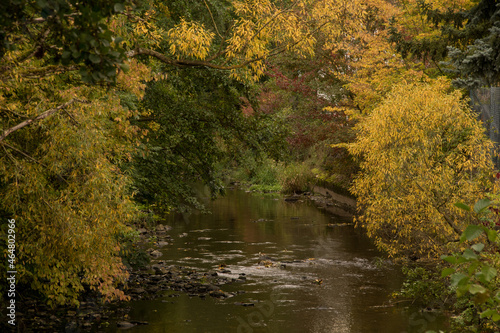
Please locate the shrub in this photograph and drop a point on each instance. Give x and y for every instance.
(422, 150)
(296, 178)
(473, 272)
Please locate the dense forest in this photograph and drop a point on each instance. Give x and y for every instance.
(112, 111)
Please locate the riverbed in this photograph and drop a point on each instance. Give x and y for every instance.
(295, 268)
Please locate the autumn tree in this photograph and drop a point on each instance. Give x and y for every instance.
(61, 146)
(62, 184)
(422, 151)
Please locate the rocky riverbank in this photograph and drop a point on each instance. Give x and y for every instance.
(325, 199)
(151, 282)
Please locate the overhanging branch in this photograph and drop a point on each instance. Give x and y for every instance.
(39, 117)
(185, 62)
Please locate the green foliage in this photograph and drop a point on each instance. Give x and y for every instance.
(265, 177)
(132, 254)
(63, 32)
(424, 287)
(465, 41)
(296, 177)
(441, 28)
(333, 167)
(473, 272)
(479, 63)
(198, 127)
(421, 151)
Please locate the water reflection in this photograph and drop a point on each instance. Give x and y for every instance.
(322, 274)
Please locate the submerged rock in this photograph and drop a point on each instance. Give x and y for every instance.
(163, 228)
(155, 253)
(124, 324)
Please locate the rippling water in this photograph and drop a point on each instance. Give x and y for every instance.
(323, 276)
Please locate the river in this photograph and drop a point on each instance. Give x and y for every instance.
(297, 269)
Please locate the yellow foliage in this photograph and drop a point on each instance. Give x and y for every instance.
(61, 183)
(190, 39)
(263, 28)
(422, 150)
(134, 80)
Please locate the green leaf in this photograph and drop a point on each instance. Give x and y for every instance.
(42, 3)
(481, 205)
(458, 279)
(462, 206)
(450, 259)
(492, 235)
(489, 273)
(487, 314)
(95, 58)
(125, 67)
(469, 254)
(119, 7)
(478, 247)
(476, 288)
(447, 271)
(471, 232)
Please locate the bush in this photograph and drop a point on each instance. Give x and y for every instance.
(473, 272)
(296, 178)
(422, 150)
(425, 287)
(266, 177)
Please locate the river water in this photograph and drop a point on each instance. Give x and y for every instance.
(323, 274)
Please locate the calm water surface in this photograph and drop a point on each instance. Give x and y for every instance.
(333, 280)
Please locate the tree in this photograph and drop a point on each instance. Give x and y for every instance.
(479, 63)
(460, 39)
(61, 147)
(422, 151)
(62, 184)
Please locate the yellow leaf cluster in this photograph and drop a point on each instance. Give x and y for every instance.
(190, 39)
(134, 80)
(146, 31)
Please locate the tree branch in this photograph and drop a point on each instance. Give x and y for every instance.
(184, 62)
(269, 21)
(24, 154)
(39, 117)
(213, 21)
(42, 19)
(41, 72)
